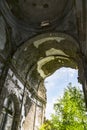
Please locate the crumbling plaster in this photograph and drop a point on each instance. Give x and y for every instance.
(36, 38)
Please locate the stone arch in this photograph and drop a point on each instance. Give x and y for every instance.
(49, 48)
(40, 56)
(17, 111)
(11, 107)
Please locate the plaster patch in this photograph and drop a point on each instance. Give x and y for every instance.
(41, 63)
(10, 72)
(12, 88)
(54, 51)
(15, 79)
(25, 49)
(41, 41)
(63, 57)
(23, 117)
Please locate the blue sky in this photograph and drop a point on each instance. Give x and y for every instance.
(55, 85)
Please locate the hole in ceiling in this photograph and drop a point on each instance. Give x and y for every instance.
(45, 5)
(34, 4)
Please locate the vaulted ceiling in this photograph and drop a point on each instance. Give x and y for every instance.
(43, 36)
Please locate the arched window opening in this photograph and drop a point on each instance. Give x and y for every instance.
(56, 85)
(7, 115)
(66, 108)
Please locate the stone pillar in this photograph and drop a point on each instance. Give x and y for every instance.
(38, 120)
(84, 79)
(29, 119)
(5, 50)
(85, 89)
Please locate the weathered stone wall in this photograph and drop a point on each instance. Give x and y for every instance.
(39, 116)
(26, 104)
(28, 124)
(39, 57)
(12, 88)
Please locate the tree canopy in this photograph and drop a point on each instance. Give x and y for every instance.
(70, 112)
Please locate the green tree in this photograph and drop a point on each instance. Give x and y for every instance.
(70, 111)
(47, 125)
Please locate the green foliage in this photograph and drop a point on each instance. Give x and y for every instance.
(70, 111)
(47, 125)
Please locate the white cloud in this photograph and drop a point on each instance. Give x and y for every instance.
(63, 74)
(72, 72)
(51, 86)
(49, 108)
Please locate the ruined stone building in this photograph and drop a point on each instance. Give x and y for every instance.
(37, 37)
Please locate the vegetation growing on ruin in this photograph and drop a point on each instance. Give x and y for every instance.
(70, 112)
